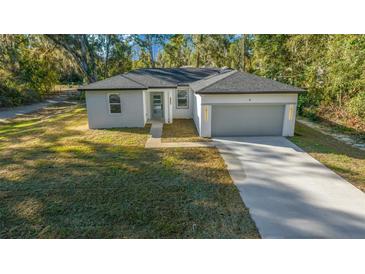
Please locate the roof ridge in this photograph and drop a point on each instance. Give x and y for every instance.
(210, 76)
(123, 75)
(244, 82)
(228, 73)
(270, 80)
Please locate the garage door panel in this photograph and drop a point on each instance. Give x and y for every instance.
(254, 120)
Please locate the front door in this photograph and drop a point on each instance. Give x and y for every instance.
(157, 106)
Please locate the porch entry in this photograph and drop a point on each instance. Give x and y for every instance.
(157, 112)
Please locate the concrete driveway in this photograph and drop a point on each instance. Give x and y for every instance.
(290, 194)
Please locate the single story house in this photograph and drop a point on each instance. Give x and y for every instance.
(222, 102)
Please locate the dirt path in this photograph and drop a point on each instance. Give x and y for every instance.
(16, 111)
(345, 138)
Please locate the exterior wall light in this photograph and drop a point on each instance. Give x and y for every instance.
(206, 113)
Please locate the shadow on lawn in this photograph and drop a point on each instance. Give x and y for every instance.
(126, 192)
(70, 182)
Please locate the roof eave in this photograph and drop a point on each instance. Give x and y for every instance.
(162, 87)
(105, 89)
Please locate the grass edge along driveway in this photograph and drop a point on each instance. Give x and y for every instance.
(345, 160)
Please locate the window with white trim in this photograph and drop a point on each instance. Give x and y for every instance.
(182, 99)
(115, 106)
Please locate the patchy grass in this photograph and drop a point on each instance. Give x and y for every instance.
(58, 179)
(345, 160)
(181, 130)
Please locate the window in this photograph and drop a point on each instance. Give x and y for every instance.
(182, 99)
(114, 104)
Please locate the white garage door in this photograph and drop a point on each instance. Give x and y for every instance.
(247, 120)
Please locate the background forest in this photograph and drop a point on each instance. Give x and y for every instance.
(330, 67)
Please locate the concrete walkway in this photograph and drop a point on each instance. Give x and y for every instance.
(16, 111)
(154, 141)
(289, 193)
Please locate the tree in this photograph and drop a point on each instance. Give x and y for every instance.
(239, 53)
(330, 67)
(270, 56)
(148, 43)
(114, 55)
(213, 49)
(119, 59)
(198, 40)
(345, 72)
(108, 42)
(29, 62)
(176, 52)
(82, 48)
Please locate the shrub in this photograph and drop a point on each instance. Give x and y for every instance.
(79, 96)
(303, 102)
(71, 77)
(38, 74)
(12, 97)
(356, 105)
(30, 96)
(310, 113)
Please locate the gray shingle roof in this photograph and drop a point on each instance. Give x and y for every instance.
(241, 82)
(147, 80)
(112, 83)
(201, 80)
(175, 76)
(208, 81)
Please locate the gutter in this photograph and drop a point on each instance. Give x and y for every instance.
(250, 92)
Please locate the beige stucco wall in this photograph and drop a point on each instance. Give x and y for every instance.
(182, 113)
(136, 108)
(98, 109)
(197, 111)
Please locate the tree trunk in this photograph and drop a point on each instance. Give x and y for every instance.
(149, 39)
(244, 53)
(152, 60)
(91, 53)
(78, 48)
(106, 74)
(200, 42)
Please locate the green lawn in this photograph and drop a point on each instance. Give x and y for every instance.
(347, 161)
(58, 179)
(181, 130)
